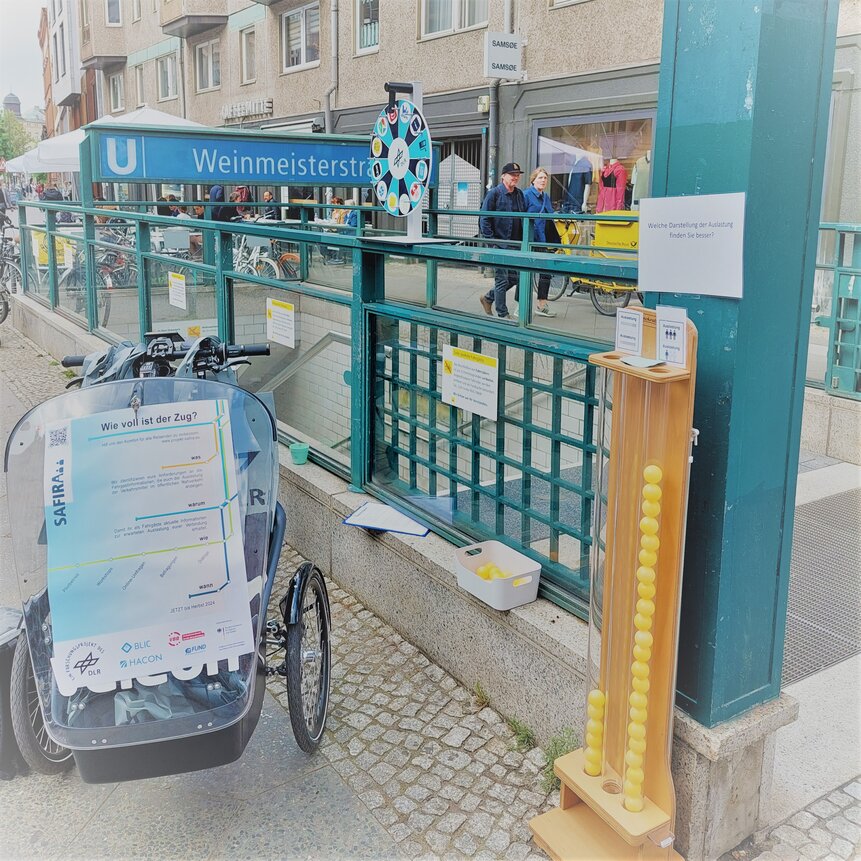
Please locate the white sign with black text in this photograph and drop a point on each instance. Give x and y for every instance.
(502, 52)
(671, 345)
(629, 332)
(692, 245)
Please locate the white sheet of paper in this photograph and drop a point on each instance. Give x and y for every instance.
(470, 381)
(629, 332)
(176, 290)
(376, 515)
(692, 245)
(672, 336)
(280, 322)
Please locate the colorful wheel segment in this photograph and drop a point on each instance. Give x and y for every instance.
(401, 153)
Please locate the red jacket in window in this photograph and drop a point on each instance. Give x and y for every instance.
(611, 187)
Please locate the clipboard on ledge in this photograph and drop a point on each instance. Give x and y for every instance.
(379, 517)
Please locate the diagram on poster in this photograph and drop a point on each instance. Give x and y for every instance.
(470, 381)
(672, 335)
(280, 322)
(146, 567)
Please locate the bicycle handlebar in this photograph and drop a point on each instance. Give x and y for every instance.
(72, 361)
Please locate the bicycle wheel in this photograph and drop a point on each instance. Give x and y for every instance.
(558, 286)
(308, 660)
(103, 299)
(4, 304)
(607, 301)
(266, 267)
(40, 752)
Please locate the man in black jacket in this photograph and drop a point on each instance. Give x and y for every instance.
(505, 197)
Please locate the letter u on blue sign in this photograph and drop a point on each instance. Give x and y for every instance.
(122, 156)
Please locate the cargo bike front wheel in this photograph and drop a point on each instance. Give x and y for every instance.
(306, 640)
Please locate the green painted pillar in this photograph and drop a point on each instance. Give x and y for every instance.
(743, 106)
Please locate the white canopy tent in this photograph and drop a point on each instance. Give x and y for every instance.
(64, 149)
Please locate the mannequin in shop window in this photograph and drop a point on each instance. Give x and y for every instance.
(611, 186)
(578, 186)
(641, 178)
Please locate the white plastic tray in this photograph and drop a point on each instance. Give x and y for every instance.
(514, 591)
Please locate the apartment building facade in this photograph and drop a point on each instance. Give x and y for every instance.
(588, 92)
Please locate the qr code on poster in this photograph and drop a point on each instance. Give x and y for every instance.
(58, 437)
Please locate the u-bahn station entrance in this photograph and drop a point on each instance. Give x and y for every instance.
(369, 320)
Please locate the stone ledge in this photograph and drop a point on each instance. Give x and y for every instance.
(53, 332)
(726, 739)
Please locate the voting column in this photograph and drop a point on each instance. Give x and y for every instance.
(743, 107)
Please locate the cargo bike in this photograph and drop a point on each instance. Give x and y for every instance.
(146, 533)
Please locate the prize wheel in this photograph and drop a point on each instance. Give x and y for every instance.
(400, 157)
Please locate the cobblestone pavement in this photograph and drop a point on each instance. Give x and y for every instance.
(439, 771)
(829, 829)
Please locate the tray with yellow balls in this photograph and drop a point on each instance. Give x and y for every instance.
(497, 574)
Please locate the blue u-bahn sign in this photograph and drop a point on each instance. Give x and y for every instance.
(239, 158)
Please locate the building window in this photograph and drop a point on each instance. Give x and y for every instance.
(139, 85)
(113, 13)
(300, 37)
(448, 16)
(115, 86)
(56, 62)
(208, 64)
(85, 21)
(247, 55)
(62, 50)
(367, 25)
(136, 10)
(166, 68)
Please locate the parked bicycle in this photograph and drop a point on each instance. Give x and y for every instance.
(607, 295)
(10, 265)
(122, 724)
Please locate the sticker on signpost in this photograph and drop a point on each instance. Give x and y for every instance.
(672, 335)
(470, 381)
(629, 332)
(176, 290)
(280, 322)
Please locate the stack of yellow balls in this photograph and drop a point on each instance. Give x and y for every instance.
(632, 786)
(594, 733)
(491, 571)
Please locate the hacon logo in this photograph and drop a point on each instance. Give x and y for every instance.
(122, 154)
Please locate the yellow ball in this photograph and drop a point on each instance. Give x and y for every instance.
(642, 623)
(648, 525)
(635, 775)
(634, 805)
(650, 509)
(635, 760)
(593, 740)
(647, 558)
(638, 715)
(646, 590)
(642, 654)
(593, 769)
(646, 607)
(593, 755)
(640, 670)
(638, 745)
(595, 713)
(646, 575)
(638, 700)
(641, 686)
(630, 789)
(596, 698)
(650, 542)
(652, 492)
(644, 639)
(636, 731)
(595, 727)
(653, 474)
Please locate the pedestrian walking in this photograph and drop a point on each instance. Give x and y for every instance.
(505, 197)
(538, 200)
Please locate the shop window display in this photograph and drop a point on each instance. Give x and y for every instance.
(597, 164)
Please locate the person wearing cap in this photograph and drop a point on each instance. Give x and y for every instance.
(505, 197)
